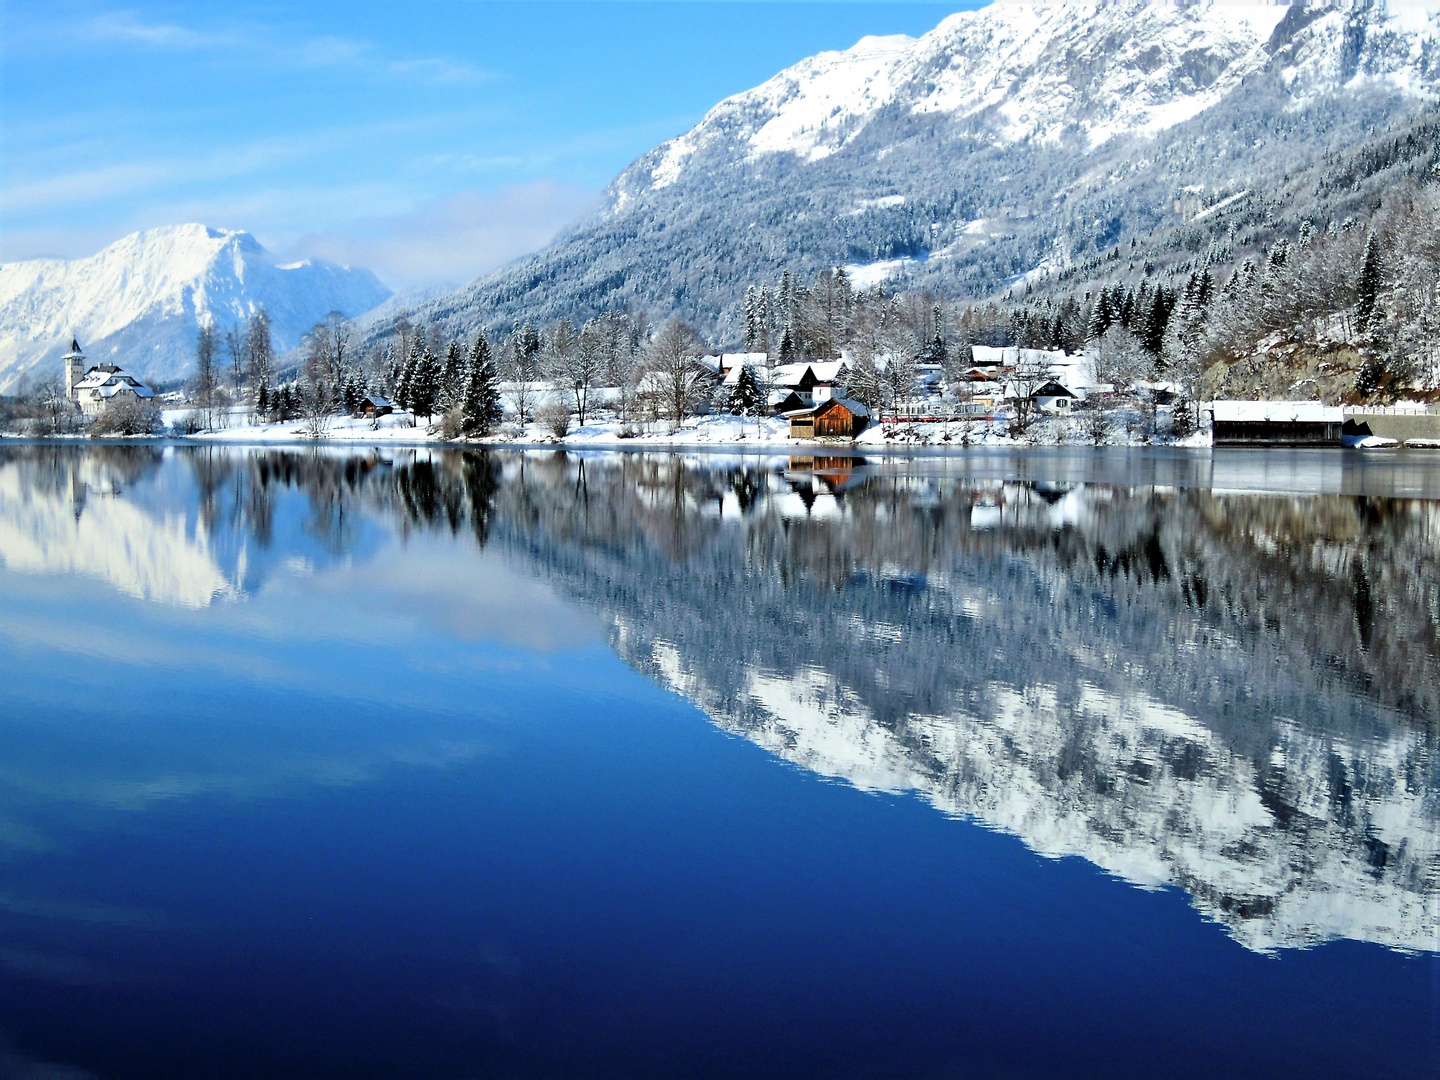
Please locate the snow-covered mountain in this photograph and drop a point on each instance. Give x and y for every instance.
(1008, 138)
(141, 300)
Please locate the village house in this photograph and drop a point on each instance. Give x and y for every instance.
(97, 388)
(833, 418)
(813, 381)
(373, 405)
(1054, 398)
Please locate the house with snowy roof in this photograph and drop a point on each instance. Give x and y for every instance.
(813, 381)
(97, 388)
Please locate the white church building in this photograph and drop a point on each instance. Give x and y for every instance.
(97, 388)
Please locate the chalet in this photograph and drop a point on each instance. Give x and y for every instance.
(373, 405)
(1276, 423)
(1054, 398)
(97, 388)
(833, 418)
(813, 382)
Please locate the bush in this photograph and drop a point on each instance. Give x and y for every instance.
(452, 424)
(191, 423)
(129, 415)
(555, 415)
(1095, 423)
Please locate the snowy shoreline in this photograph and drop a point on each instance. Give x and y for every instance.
(720, 433)
(706, 432)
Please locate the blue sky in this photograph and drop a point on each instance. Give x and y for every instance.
(427, 140)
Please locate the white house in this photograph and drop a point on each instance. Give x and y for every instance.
(100, 386)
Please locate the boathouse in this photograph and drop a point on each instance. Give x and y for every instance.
(1275, 423)
(837, 418)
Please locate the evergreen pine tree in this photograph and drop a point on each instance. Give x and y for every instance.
(452, 377)
(787, 348)
(404, 387)
(1101, 317)
(424, 385)
(745, 398)
(1367, 289)
(480, 410)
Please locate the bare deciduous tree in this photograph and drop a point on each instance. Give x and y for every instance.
(674, 373)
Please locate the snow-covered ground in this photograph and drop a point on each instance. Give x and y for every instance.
(705, 431)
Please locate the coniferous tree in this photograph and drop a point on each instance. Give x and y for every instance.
(424, 385)
(745, 398)
(480, 411)
(787, 347)
(452, 377)
(404, 388)
(1367, 288)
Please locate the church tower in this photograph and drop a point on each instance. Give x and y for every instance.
(74, 368)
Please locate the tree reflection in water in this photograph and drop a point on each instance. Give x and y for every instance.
(1237, 694)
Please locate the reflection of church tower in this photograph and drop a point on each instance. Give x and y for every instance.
(74, 368)
(78, 490)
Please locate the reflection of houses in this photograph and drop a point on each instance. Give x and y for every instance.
(96, 389)
(835, 418)
(1276, 423)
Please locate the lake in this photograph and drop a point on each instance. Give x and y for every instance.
(433, 763)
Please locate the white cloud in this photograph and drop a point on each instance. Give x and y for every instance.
(281, 46)
(451, 239)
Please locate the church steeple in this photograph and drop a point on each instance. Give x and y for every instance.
(74, 367)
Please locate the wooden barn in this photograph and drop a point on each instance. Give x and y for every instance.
(1275, 423)
(837, 418)
(373, 405)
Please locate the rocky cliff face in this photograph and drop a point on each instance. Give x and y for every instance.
(1007, 140)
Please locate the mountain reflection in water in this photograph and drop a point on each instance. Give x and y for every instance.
(1234, 693)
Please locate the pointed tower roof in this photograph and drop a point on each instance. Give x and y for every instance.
(74, 348)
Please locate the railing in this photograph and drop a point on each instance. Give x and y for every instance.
(1417, 409)
(936, 411)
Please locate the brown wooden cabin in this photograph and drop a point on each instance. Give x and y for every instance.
(373, 405)
(837, 418)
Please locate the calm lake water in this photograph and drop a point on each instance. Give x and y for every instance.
(442, 764)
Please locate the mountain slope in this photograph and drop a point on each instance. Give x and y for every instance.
(141, 300)
(1007, 139)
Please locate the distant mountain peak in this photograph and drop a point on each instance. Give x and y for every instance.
(141, 300)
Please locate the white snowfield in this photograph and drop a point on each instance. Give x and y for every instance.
(140, 301)
(1038, 71)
